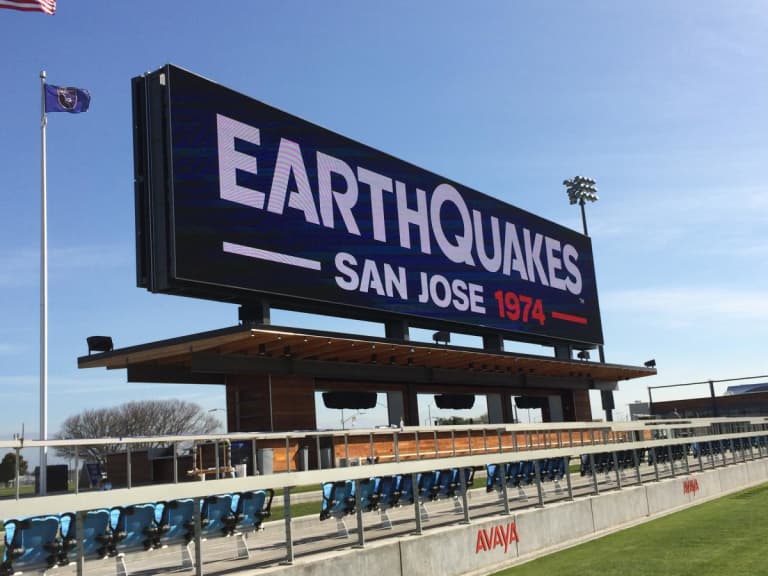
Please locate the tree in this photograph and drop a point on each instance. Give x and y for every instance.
(144, 418)
(8, 467)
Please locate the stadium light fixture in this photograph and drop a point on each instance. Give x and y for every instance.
(581, 190)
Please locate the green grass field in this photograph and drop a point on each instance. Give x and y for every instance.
(724, 536)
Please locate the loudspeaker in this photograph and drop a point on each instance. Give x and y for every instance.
(533, 402)
(340, 399)
(455, 401)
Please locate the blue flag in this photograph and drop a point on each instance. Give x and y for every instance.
(61, 99)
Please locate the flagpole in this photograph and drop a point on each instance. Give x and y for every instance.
(43, 478)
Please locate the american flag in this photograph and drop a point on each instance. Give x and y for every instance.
(46, 6)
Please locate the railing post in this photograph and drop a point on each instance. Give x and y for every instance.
(128, 464)
(464, 500)
(671, 456)
(416, 501)
(288, 525)
(196, 512)
(175, 464)
(216, 459)
(371, 450)
(18, 472)
(359, 515)
(616, 469)
(568, 481)
(537, 477)
(77, 467)
(79, 527)
(595, 488)
(504, 493)
(636, 460)
(288, 453)
(346, 449)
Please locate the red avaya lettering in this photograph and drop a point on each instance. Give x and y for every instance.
(511, 536)
(690, 486)
(495, 536)
(498, 536)
(483, 541)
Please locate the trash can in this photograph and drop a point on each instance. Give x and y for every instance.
(326, 458)
(304, 458)
(264, 459)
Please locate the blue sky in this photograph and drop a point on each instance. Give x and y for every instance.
(663, 103)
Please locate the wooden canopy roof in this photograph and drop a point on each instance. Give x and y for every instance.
(208, 357)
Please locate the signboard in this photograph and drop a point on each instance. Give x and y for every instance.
(238, 200)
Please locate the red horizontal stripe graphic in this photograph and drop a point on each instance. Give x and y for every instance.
(569, 318)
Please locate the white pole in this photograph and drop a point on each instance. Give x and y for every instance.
(43, 481)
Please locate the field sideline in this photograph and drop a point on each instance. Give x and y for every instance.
(724, 536)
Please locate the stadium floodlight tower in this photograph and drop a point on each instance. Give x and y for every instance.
(580, 191)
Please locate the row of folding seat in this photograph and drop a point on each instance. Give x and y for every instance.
(708, 448)
(381, 493)
(47, 541)
(522, 473)
(661, 454)
(604, 461)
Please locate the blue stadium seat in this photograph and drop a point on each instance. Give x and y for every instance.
(338, 499)
(407, 489)
(449, 481)
(493, 478)
(251, 508)
(31, 544)
(428, 485)
(216, 516)
(97, 535)
(389, 491)
(135, 528)
(177, 523)
(369, 494)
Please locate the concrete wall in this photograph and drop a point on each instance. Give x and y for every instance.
(547, 527)
(616, 508)
(492, 543)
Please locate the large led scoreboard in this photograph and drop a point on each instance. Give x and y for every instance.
(238, 201)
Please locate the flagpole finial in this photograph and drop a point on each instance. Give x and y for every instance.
(42, 74)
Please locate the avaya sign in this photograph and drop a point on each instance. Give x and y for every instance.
(237, 200)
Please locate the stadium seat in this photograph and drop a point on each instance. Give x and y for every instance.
(216, 516)
(252, 508)
(31, 544)
(96, 537)
(389, 497)
(369, 494)
(135, 528)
